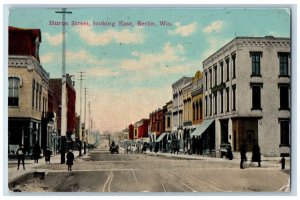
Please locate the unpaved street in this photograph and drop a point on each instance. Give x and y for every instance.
(101, 171)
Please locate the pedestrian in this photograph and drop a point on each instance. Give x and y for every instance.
(256, 154)
(194, 145)
(229, 151)
(70, 159)
(21, 156)
(79, 147)
(198, 145)
(36, 152)
(47, 154)
(243, 151)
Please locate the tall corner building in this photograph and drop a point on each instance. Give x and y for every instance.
(246, 87)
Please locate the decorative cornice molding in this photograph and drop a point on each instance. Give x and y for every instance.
(248, 41)
(28, 62)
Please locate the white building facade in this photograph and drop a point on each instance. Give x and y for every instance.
(177, 107)
(247, 92)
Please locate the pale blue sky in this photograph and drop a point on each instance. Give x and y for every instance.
(130, 70)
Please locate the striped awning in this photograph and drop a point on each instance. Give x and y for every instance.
(202, 127)
(161, 137)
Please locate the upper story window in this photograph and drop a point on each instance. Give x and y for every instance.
(13, 91)
(233, 97)
(221, 71)
(205, 80)
(233, 65)
(210, 77)
(210, 105)
(256, 96)
(194, 111)
(201, 107)
(216, 76)
(221, 101)
(216, 103)
(255, 56)
(284, 132)
(283, 64)
(227, 69)
(206, 106)
(227, 99)
(33, 93)
(284, 96)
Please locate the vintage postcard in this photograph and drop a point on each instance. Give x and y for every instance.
(149, 99)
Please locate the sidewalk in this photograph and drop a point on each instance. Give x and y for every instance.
(30, 166)
(266, 161)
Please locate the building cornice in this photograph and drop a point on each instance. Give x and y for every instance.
(196, 91)
(248, 41)
(28, 62)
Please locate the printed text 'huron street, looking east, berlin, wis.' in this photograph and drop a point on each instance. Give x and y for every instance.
(102, 23)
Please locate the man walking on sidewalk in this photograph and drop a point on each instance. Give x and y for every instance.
(243, 150)
(21, 156)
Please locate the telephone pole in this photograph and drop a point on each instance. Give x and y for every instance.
(64, 89)
(90, 123)
(84, 136)
(80, 114)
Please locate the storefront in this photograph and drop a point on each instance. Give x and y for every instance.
(203, 138)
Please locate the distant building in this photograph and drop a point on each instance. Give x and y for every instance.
(197, 98)
(130, 132)
(157, 123)
(56, 88)
(142, 127)
(247, 93)
(187, 114)
(168, 116)
(178, 106)
(27, 90)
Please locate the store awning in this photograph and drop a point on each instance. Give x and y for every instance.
(161, 137)
(202, 128)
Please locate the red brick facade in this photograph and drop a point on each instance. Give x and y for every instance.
(55, 87)
(143, 128)
(130, 132)
(157, 121)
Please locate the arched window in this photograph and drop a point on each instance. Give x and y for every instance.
(201, 109)
(197, 111)
(194, 111)
(13, 91)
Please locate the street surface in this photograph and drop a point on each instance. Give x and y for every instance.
(101, 171)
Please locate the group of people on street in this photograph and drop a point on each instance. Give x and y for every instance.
(255, 154)
(36, 155)
(243, 150)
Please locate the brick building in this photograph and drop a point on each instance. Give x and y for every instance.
(27, 90)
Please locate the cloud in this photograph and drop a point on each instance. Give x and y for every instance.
(215, 43)
(143, 61)
(54, 40)
(101, 71)
(124, 36)
(214, 26)
(184, 30)
(74, 56)
(47, 58)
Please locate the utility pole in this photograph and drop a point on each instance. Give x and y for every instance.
(84, 136)
(64, 89)
(80, 114)
(90, 130)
